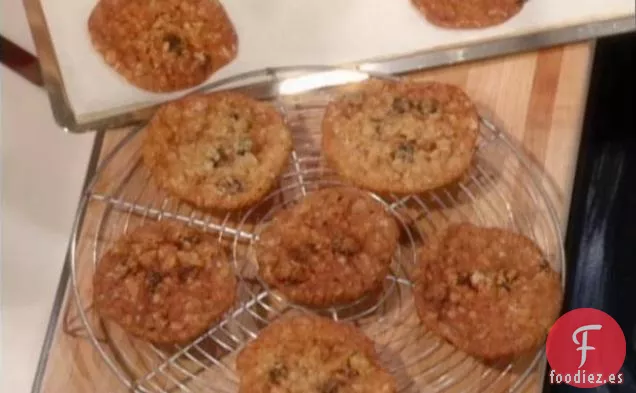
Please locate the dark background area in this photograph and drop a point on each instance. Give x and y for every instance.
(601, 237)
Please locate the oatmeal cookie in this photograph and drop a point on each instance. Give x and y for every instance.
(217, 151)
(401, 137)
(333, 247)
(488, 291)
(164, 282)
(310, 354)
(163, 45)
(468, 14)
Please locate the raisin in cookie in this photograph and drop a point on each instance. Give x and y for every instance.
(164, 283)
(401, 137)
(488, 291)
(310, 354)
(333, 247)
(163, 45)
(217, 151)
(468, 14)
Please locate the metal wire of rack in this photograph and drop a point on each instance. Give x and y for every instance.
(503, 188)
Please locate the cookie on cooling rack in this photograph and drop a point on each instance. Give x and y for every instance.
(401, 137)
(333, 247)
(163, 45)
(217, 151)
(488, 291)
(310, 354)
(468, 14)
(164, 282)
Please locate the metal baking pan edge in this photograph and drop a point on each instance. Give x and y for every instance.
(66, 119)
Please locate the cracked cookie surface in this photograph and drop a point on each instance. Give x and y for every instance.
(401, 137)
(164, 282)
(333, 247)
(163, 45)
(488, 291)
(468, 14)
(309, 354)
(217, 151)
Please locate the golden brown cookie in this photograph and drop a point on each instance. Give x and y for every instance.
(217, 151)
(468, 14)
(401, 137)
(488, 291)
(333, 247)
(163, 45)
(164, 282)
(310, 354)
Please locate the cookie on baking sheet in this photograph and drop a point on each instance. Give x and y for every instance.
(163, 45)
(310, 354)
(217, 151)
(164, 282)
(488, 291)
(468, 14)
(401, 137)
(333, 247)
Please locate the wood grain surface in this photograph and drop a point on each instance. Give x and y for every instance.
(537, 98)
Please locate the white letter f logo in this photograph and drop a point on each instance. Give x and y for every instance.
(583, 346)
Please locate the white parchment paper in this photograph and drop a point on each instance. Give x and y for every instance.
(298, 32)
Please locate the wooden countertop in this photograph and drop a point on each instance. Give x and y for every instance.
(538, 98)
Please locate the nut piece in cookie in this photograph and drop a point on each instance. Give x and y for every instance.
(488, 291)
(311, 355)
(401, 137)
(164, 283)
(333, 247)
(217, 151)
(163, 45)
(464, 14)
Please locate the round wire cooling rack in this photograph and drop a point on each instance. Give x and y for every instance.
(503, 188)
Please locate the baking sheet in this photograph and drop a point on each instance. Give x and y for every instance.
(277, 33)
